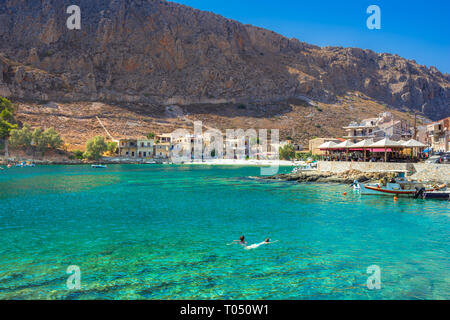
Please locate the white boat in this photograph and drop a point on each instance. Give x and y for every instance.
(305, 166)
(99, 166)
(398, 186)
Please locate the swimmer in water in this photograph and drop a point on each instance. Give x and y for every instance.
(256, 245)
(240, 241)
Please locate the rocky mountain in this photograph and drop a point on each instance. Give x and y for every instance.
(161, 53)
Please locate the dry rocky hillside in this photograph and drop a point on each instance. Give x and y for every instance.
(155, 65)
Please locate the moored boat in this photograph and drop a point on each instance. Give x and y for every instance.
(99, 166)
(24, 164)
(396, 186)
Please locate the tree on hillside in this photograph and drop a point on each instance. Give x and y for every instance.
(95, 148)
(21, 138)
(112, 148)
(52, 138)
(6, 104)
(7, 121)
(151, 136)
(287, 152)
(37, 139)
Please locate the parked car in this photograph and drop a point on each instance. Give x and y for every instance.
(445, 158)
(433, 159)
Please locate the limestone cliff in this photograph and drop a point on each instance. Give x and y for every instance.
(157, 52)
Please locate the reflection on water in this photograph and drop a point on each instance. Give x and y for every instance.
(160, 232)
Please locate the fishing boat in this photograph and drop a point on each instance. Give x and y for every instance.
(397, 186)
(99, 166)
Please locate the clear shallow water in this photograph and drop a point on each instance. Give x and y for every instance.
(160, 232)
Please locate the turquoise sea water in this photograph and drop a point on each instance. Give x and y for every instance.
(161, 232)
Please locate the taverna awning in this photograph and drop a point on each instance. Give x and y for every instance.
(343, 145)
(327, 145)
(386, 143)
(414, 144)
(363, 144)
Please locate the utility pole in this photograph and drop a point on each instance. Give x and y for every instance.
(415, 125)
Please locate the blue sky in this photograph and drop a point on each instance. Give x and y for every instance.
(418, 30)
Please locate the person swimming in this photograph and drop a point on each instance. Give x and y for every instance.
(256, 245)
(240, 241)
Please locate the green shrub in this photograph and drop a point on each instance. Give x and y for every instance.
(77, 154)
(95, 148)
(112, 147)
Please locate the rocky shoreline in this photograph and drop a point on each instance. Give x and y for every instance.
(328, 177)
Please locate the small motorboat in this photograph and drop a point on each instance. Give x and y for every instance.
(305, 166)
(99, 166)
(398, 186)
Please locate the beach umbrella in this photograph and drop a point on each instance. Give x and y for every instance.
(385, 143)
(363, 144)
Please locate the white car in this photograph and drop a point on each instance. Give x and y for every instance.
(434, 159)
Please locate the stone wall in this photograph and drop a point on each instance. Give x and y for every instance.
(418, 171)
(429, 171)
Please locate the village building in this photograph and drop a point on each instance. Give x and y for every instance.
(421, 134)
(235, 148)
(127, 148)
(163, 150)
(438, 135)
(145, 148)
(378, 128)
(164, 138)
